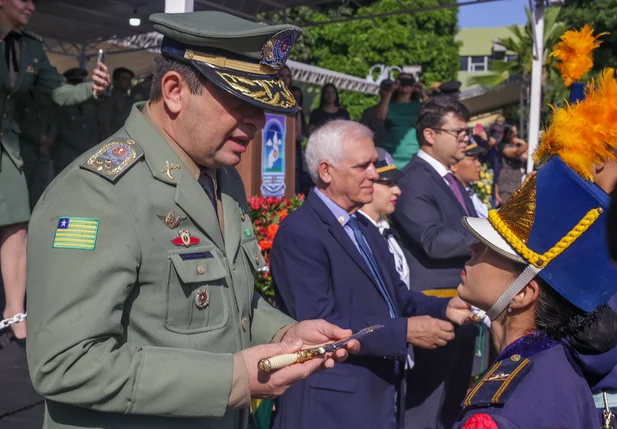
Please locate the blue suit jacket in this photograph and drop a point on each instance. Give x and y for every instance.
(319, 273)
(428, 221)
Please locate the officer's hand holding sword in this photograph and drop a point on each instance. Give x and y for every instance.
(305, 348)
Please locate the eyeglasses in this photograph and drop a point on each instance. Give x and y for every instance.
(460, 134)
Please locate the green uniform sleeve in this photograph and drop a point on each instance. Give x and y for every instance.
(78, 304)
(267, 321)
(50, 80)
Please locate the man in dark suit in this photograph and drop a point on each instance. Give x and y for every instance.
(329, 262)
(428, 219)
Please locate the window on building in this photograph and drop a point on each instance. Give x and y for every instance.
(501, 56)
(464, 66)
(478, 64)
(511, 57)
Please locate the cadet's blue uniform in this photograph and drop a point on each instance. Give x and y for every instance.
(531, 385)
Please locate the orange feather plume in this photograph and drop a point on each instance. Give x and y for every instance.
(585, 133)
(575, 53)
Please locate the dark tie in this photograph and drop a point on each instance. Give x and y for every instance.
(387, 233)
(207, 183)
(10, 54)
(367, 255)
(453, 183)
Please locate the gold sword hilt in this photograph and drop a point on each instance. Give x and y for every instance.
(281, 361)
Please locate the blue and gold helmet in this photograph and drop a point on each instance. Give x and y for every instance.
(555, 224)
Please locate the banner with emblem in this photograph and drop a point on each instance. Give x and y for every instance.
(273, 156)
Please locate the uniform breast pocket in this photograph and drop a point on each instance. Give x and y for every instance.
(197, 291)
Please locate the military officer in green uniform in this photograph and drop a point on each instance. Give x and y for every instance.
(77, 126)
(116, 108)
(35, 116)
(142, 306)
(24, 66)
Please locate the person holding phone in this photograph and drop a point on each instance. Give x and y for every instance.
(25, 67)
(399, 109)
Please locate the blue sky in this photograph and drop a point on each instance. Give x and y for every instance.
(493, 14)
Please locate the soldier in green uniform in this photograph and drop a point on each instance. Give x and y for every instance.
(35, 117)
(77, 126)
(116, 108)
(142, 304)
(24, 66)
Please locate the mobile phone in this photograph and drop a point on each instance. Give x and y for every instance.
(100, 58)
(479, 128)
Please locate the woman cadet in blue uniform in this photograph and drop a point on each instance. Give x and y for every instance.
(543, 273)
(23, 67)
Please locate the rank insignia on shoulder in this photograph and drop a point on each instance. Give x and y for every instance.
(78, 233)
(32, 35)
(498, 382)
(114, 158)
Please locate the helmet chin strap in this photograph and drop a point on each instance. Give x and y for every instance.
(517, 285)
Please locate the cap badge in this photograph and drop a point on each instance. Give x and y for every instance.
(275, 51)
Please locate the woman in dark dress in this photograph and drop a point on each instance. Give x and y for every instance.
(23, 67)
(514, 158)
(328, 110)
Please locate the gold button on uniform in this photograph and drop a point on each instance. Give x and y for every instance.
(257, 260)
(244, 322)
(200, 269)
(515, 358)
(201, 298)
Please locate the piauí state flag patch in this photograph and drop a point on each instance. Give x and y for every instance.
(76, 233)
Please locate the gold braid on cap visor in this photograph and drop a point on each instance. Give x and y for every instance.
(270, 92)
(514, 221)
(228, 63)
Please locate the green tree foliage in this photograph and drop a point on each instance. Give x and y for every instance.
(601, 15)
(353, 47)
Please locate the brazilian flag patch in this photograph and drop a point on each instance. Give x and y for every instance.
(76, 233)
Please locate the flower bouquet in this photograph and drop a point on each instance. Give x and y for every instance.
(484, 187)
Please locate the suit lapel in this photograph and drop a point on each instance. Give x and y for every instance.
(24, 61)
(442, 184)
(468, 202)
(231, 211)
(4, 69)
(339, 233)
(350, 248)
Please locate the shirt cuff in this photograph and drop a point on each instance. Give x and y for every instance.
(240, 395)
(281, 333)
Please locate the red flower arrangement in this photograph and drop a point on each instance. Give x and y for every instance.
(267, 213)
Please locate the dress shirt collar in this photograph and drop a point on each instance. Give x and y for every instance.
(438, 166)
(339, 213)
(382, 224)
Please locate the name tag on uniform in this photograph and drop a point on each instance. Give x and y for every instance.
(197, 255)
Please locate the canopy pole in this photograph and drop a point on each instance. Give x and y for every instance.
(82, 57)
(179, 6)
(535, 98)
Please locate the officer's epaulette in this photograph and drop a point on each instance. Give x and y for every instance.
(32, 35)
(112, 158)
(498, 383)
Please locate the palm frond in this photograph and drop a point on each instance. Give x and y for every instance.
(490, 80)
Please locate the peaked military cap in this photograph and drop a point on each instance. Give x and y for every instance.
(386, 168)
(76, 73)
(239, 56)
(452, 87)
